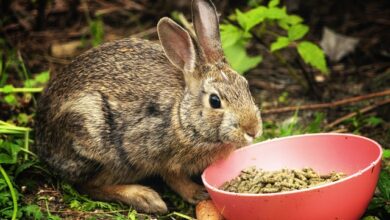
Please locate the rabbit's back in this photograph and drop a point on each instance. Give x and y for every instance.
(100, 104)
(120, 67)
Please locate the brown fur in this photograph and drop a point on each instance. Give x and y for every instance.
(122, 112)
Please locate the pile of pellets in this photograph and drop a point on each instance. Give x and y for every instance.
(256, 181)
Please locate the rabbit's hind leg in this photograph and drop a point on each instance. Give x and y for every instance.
(139, 197)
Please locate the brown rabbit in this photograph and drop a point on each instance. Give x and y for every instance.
(130, 109)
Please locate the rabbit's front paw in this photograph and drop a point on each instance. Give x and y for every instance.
(145, 199)
(199, 194)
(186, 188)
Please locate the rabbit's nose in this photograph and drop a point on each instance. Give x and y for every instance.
(253, 132)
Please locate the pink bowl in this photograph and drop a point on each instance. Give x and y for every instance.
(357, 156)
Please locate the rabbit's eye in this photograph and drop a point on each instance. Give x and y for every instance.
(214, 100)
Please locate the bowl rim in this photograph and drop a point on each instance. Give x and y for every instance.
(314, 188)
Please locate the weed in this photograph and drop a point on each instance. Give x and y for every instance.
(96, 26)
(268, 21)
(292, 126)
(380, 204)
(96, 30)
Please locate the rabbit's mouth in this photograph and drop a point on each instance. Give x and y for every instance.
(249, 139)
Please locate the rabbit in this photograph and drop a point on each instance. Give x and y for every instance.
(133, 108)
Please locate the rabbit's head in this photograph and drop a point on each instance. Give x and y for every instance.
(217, 105)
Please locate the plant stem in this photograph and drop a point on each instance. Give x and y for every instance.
(186, 24)
(24, 69)
(29, 152)
(23, 90)
(47, 208)
(12, 128)
(291, 71)
(11, 189)
(256, 36)
(26, 139)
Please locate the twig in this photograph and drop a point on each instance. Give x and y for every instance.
(341, 130)
(361, 111)
(145, 33)
(329, 104)
(187, 25)
(266, 85)
(310, 81)
(87, 212)
(55, 59)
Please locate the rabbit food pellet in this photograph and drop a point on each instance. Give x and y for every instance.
(252, 180)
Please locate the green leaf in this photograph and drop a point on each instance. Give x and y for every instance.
(387, 207)
(28, 83)
(376, 202)
(283, 24)
(10, 99)
(23, 118)
(312, 55)
(373, 121)
(9, 153)
(43, 77)
(384, 184)
(5, 197)
(75, 204)
(386, 153)
(96, 27)
(286, 22)
(315, 125)
(8, 88)
(276, 13)
(370, 217)
(297, 31)
(230, 34)
(251, 18)
(54, 217)
(234, 41)
(132, 215)
(32, 211)
(293, 19)
(273, 3)
(38, 79)
(281, 42)
(238, 58)
(24, 167)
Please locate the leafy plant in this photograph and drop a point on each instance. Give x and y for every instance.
(15, 63)
(381, 201)
(96, 29)
(15, 157)
(292, 126)
(13, 160)
(380, 204)
(361, 122)
(258, 22)
(81, 202)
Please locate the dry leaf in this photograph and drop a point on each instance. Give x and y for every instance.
(336, 46)
(205, 210)
(68, 49)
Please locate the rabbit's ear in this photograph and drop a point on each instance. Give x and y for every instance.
(205, 19)
(177, 44)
